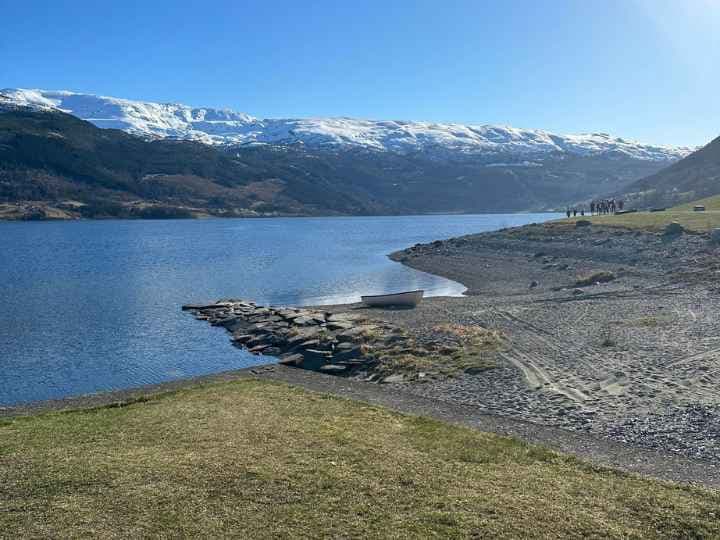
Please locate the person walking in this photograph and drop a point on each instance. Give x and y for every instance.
(567, 212)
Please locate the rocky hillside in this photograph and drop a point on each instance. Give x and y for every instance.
(694, 177)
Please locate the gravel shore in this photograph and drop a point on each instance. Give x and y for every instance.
(610, 331)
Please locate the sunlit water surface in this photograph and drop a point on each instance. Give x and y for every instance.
(95, 305)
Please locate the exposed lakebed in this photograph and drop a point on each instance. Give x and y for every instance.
(94, 305)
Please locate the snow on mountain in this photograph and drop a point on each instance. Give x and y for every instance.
(227, 127)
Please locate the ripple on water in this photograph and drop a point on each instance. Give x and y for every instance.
(95, 305)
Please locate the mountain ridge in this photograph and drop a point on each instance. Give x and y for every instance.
(49, 157)
(435, 140)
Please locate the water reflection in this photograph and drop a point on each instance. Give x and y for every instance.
(91, 306)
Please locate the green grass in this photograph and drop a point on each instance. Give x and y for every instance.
(656, 221)
(710, 203)
(254, 459)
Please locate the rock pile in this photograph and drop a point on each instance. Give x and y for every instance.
(673, 229)
(338, 343)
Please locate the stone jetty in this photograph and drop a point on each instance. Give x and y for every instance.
(345, 343)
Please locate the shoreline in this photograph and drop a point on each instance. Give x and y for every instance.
(202, 215)
(536, 383)
(631, 359)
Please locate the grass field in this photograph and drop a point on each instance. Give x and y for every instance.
(656, 221)
(255, 459)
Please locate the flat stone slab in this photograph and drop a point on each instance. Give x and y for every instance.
(203, 307)
(305, 338)
(292, 359)
(333, 368)
(335, 325)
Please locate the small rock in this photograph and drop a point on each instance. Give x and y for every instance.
(304, 321)
(398, 378)
(583, 223)
(715, 236)
(350, 334)
(291, 359)
(333, 325)
(349, 354)
(242, 338)
(533, 284)
(317, 353)
(333, 368)
(673, 228)
(226, 321)
(345, 317)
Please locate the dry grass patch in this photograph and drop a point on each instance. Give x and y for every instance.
(657, 221)
(648, 321)
(603, 276)
(254, 459)
(456, 348)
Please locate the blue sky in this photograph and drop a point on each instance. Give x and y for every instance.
(642, 69)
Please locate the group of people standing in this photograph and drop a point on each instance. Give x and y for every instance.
(606, 206)
(603, 206)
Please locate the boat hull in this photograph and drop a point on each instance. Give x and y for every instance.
(403, 299)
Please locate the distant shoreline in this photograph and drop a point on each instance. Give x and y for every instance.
(46, 212)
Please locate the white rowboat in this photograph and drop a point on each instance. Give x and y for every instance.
(405, 299)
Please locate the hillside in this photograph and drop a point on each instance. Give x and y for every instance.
(694, 177)
(53, 164)
(49, 157)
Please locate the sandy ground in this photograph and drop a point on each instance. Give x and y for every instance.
(636, 359)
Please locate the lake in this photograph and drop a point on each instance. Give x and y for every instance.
(90, 306)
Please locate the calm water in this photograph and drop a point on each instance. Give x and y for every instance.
(95, 305)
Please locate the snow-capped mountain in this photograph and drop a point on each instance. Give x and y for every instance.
(227, 127)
